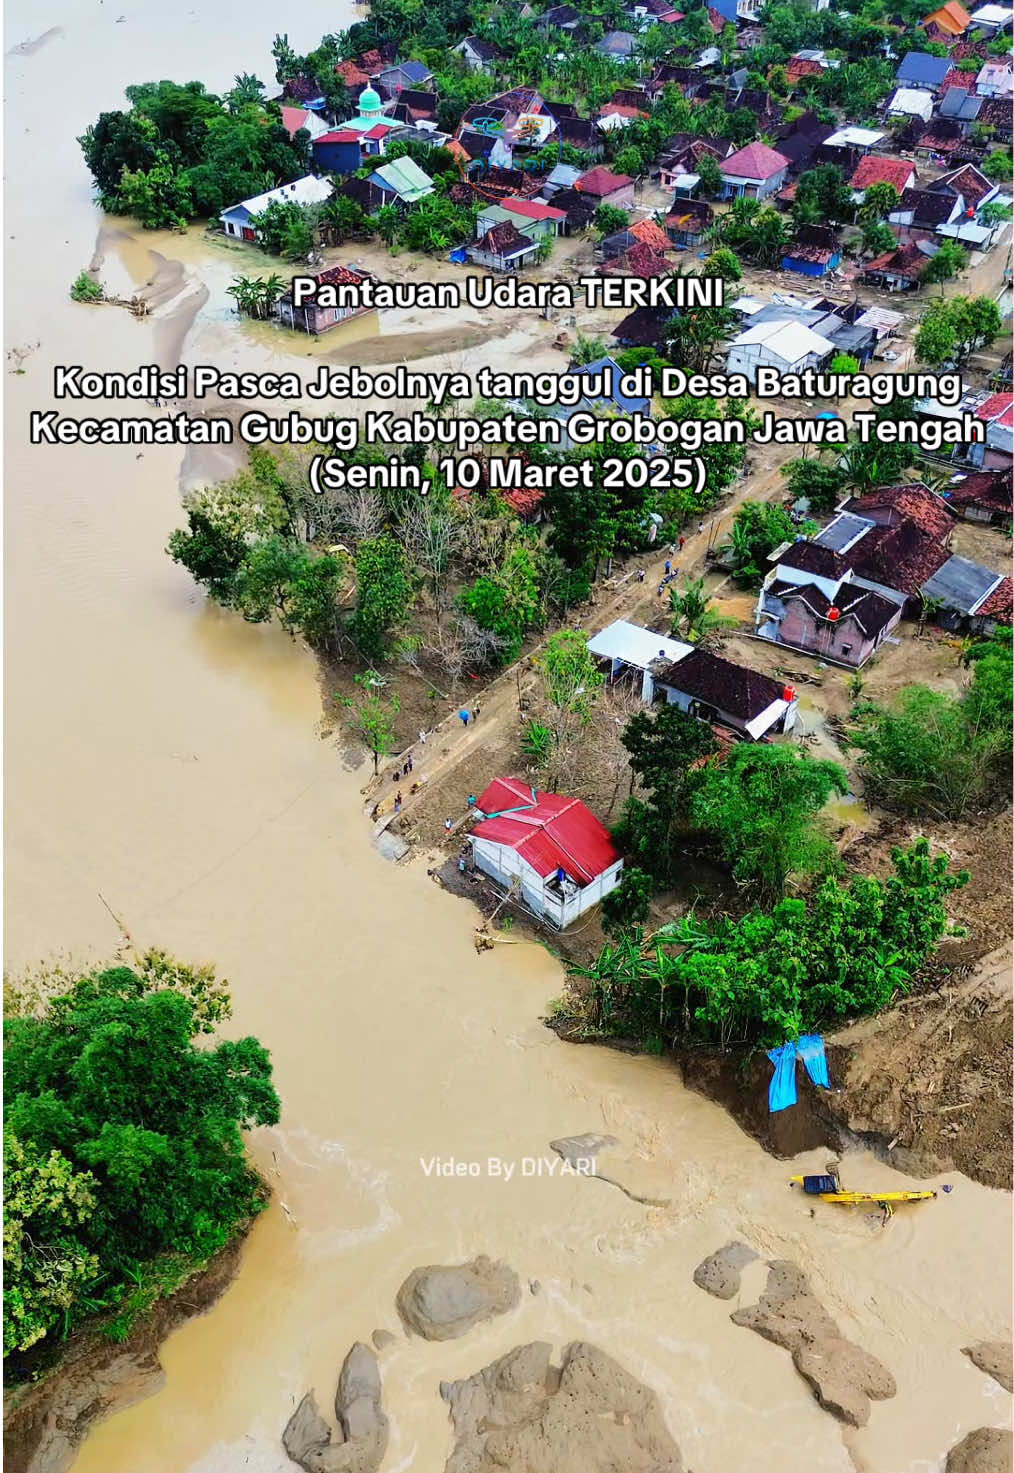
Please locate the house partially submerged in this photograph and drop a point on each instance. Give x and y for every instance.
(504, 248)
(313, 319)
(550, 849)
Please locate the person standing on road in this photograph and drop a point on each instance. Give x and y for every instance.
(464, 717)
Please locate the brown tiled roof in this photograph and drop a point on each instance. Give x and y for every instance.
(602, 181)
(871, 611)
(640, 260)
(911, 501)
(991, 490)
(1000, 604)
(741, 692)
(503, 240)
(811, 557)
(968, 182)
(650, 234)
(901, 557)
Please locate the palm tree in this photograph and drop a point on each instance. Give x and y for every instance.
(693, 617)
(386, 222)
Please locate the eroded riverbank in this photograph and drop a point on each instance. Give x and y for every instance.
(164, 753)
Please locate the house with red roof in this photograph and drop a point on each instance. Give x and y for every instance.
(756, 171)
(877, 168)
(296, 118)
(949, 22)
(602, 187)
(549, 849)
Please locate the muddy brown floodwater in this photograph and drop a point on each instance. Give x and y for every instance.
(165, 754)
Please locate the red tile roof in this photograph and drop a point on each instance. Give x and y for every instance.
(998, 409)
(801, 66)
(876, 169)
(294, 118)
(621, 110)
(650, 234)
(756, 161)
(524, 502)
(957, 78)
(339, 135)
(991, 490)
(640, 260)
(951, 17)
(912, 501)
(969, 183)
(1000, 604)
(602, 181)
(549, 831)
(532, 209)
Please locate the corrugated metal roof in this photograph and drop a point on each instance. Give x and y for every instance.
(549, 831)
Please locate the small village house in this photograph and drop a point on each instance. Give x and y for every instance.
(393, 80)
(723, 693)
(877, 168)
(813, 252)
(533, 218)
(911, 102)
(688, 222)
(478, 55)
(788, 346)
(338, 151)
(947, 23)
(503, 248)
(992, 20)
(403, 180)
(550, 849)
(898, 271)
(602, 187)
(755, 171)
(923, 70)
(984, 496)
(238, 219)
(297, 119)
(315, 320)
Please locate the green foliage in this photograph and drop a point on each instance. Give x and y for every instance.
(774, 974)
(571, 678)
(383, 594)
(609, 219)
(879, 238)
(710, 173)
(935, 755)
(211, 554)
(588, 350)
(537, 742)
(693, 616)
(629, 904)
(952, 330)
(844, 363)
(760, 804)
(878, 201)
(86, 288)
(373, 711)
(950, 258)
(997, 165)
(664, 745)
(755, 231)
(507, 602)
(692, 337)
(725, 264)
(158, 197)
(757, 529)
(123, 1138)
(821, 482)
(823, 197)
(256, 296)
(280, 579)
(285, 228)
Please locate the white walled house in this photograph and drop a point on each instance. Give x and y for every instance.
(306, 191)
(552, 847)
(788, 346)
(725, 694)
(630, 647)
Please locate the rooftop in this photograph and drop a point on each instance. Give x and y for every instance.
(549, 831)
(635, 645)
(734, 689)
(756, 161)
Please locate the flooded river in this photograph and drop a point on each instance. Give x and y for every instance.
(164, 755)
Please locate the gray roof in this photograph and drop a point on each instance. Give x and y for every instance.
(960, 584)
(959, 103)
(843, 531)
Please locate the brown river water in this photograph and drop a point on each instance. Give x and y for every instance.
(166, 755)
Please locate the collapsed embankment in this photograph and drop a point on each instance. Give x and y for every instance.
(46, 1421)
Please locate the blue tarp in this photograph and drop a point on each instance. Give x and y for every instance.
(459, 256)
(782, 1090)
(810, 1049)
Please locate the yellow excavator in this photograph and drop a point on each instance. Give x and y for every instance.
(829, 1189)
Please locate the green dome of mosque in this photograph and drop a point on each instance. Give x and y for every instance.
(369, 101)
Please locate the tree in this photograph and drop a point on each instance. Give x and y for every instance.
(931, 754)
(879, 238)
(664, 745)
(506, 604)
(570, 677)
(757, 529)
(211, 554)
(373, 711)
(692, 336)
(775, 974)
(755, 231)
(629, 904)
(952, 330)
(879, 200)
(383, 594)
(760, 803)
(844, 363)
(823, 197)
(124, 1138)
(693, 616)
(709, 172)
(279, 578)
(47, 1267)
(609, 219)
(725, 264)
(115, 142)
(945, 264)
(820, 482)
(158, 197)
(588, 350)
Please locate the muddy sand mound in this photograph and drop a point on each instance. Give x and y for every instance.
(359, 1443)
(986, 1450)
(588, 1415)
(442, 1302)
(996, 1358)
(845, 1378)
(721, 1273)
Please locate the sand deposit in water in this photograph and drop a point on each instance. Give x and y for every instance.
(165, 754)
